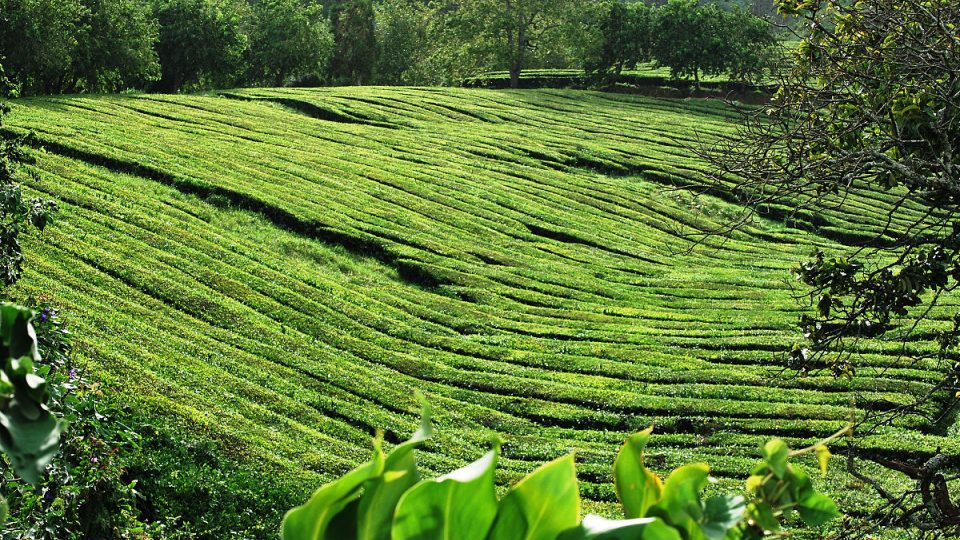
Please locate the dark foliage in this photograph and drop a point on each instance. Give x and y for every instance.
(873, 103)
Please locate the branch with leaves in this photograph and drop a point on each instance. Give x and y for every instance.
(871, 104)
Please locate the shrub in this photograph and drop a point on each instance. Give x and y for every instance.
(84, 490)
(386, 499)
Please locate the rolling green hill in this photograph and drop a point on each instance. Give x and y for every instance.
(281, 270)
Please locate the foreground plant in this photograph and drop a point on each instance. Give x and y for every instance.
(29, 432)
(386, 499)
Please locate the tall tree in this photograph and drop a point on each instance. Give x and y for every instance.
(288, 39)
(115, 46)
(355, 45)
(201, 42)
(625, 38)
(37, 41)
(402, 36)
(508, 34)
(690, 39)
(872, 105)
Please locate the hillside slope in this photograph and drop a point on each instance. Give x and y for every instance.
(284, 269)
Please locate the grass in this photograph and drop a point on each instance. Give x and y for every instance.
(279, 271)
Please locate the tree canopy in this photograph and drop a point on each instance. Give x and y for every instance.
(872, 102)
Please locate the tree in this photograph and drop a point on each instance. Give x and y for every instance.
(402, 36)
(37, 41)
(625, 39)
(872, 104)
(690, 39)
(355, 45)
(750, 45)
(114, 46)
(201, 43)
(288, 39)
(524, 25)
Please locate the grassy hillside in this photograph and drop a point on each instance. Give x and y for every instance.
(280, 271)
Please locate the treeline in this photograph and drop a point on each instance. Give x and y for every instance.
(690, 38)
(73, 46)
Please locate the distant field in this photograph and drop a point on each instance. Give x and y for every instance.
(283, 269)
(644, 74)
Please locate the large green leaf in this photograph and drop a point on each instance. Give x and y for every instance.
(637, 487)
(381, 494)
(776, 453)
(30, 443)
(720, 514)
(19, 340)
(598, 528)
(817, 509)
(312, 521)
(29, 433)
(542, 505)
(461, 505)
(681, 505)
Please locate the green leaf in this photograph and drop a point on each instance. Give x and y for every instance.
(775, 453)
(817, 509)
(542, 505)
(19, 338)
(799, 486)
(720, 514)
(637, 487)
(762, 514)
(30, 437)
(681, 506)
(312, 520)
(382, 493)
(598, 528)
(460, 505)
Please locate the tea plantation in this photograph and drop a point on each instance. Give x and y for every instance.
(280, 271)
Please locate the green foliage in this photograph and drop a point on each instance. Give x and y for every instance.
(542, 505)
(29, 432)
(626, 37)
(201, 43)
(355, 46)
(55, 46)
(402, 36)
(114, 46)
(85, 491)
(511, 34)
(288, 39)
(37, 42)
(545, 505)
(271, 343)
(17, 213)
(689, 37)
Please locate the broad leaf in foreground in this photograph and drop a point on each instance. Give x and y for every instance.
(461, 505)
(542, 505)
(637, 487)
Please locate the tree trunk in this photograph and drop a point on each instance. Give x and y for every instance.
(518, 59)
(515, 76)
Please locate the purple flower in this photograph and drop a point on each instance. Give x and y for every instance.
(73, 374)
(48, 496)
(94, 459)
